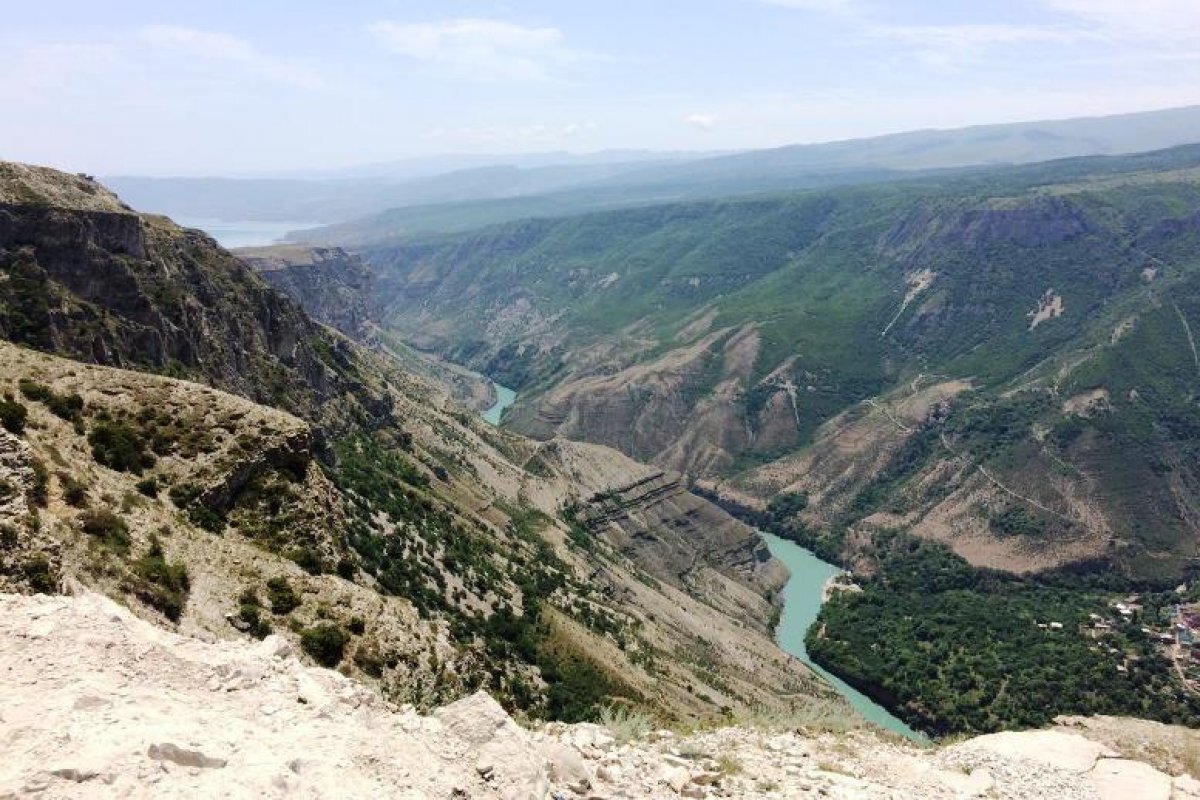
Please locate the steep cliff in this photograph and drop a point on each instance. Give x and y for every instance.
(331, 285)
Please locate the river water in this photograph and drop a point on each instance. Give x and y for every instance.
(801, 604)
(505, 397)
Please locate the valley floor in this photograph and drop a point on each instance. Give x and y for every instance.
(96, 702)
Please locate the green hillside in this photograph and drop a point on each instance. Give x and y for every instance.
(730, 332)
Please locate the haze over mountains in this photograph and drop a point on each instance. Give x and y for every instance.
(502, 188)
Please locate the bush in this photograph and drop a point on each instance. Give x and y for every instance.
(13, 415)
(68, 407)
(107, 527)
(357, 626)
(325, 643)
(182, 494)
(164, 585)
(282, 596)
(118, 446)
(206, 518)
(74, 492)
(40, 575)
(39, 490)
(32, 390)
(64, 406)
(148, 486)
(308, 560)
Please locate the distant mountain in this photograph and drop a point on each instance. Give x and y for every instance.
(346, 194)
(796, 167)
(429, 166)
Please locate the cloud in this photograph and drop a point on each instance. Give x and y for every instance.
(480, 49)
(701, 121)
(944, 45)
(230, 49)
(1150, 20)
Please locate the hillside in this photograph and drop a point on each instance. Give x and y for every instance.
(300, 483)
(100, 704)
(987, 336)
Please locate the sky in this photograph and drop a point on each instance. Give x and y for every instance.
(257, 86)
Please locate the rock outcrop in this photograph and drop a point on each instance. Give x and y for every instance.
(331, 285)
(97, 703)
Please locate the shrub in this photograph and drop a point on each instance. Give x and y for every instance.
(624, 723)
(13, 415)
(207, 518)
(64, 406)
(325, 643)
(107, 527)
(308, 560)
(75, 493)
(282, 596)
(118, 446)
(40, 575)
(148, 486)
(357, 626)
(250, 613)
(182, 494)
(39, 490)
(32, 390)
(164, 585)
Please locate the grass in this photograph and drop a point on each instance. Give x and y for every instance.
(625, 724)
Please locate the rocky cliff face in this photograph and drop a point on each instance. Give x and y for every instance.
(331, 285)
(678, 537)
(103, 284)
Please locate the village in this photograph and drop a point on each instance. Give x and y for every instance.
(1174, 627)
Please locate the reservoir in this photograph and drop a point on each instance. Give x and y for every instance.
(231, 234)
(801, 604)
(505, 397)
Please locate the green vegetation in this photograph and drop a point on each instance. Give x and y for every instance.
(162, 585)
(107, 528)
(954, 649)
(74, 491)
(282, 596)
(822, 277)
(13, 415)
(65, 406)
(250, 612)
(325, 643)
(40, 574)
(117, 445)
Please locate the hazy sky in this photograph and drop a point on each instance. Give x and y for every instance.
(231, 86)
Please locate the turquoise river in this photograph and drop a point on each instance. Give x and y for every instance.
(801, 604)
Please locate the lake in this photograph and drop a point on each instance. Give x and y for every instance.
(801, 604)
(244, 233)
(505, 397)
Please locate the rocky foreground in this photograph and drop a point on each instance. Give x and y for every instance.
(95, 702)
